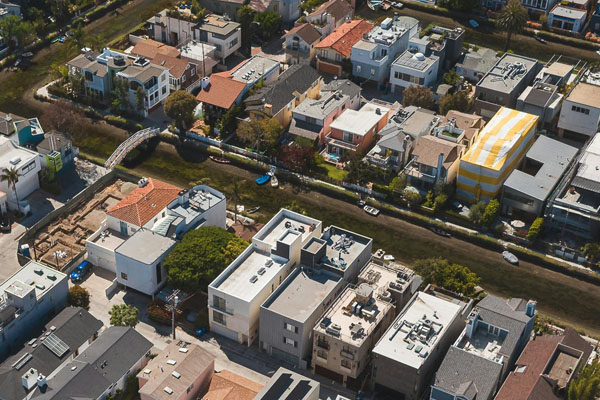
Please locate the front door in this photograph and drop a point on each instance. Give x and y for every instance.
(123, 227)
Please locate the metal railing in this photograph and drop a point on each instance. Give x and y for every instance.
(131, 143)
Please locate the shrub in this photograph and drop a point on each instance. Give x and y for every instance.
(428, 200)
(476, 212)
(79, 297)
(535, 229)
(490, 213)
(116, 121)
(412, 196)
(440, 201)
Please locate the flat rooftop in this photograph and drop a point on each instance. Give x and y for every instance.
(482, 344)
(354, 323)
(343, 246)
(284, 221)
(145, 246)
(415, 61)
(109, 239)
(254, 69)
(417, 330)
(34, 274)
(286, 384)
(586, 94)
(302, 293)
(561, 367)
(248, 274)
(362, 121)
(392, 275)
(218, 24)
(320, 109)
(507, 73)
(201, 199)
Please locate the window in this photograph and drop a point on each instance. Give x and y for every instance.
(183, 78)
(346, 363)
(323, 53)
(383, 52)
(348, 137)
(28, 167)
(233, 43)
(219, 318)
(494, 330)
(372, 71)
(123, 275)
(89, 76)
(289, 341)
(219, 302)
(580, 110)
(322, 354)
(163, 77)
(290, 327)
(358, 68)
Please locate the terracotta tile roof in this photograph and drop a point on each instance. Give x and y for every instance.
(141, 205)
(225, 385)
(345, 36)
(306, 32)
(150, 48)
(336, 8)
(176, 65)
(221, 92)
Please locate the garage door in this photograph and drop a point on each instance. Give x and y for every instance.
(329, 374)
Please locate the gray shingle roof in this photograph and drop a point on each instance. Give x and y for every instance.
(74, 326)
(393, 141)
(347, 87)
(297, 78)
(468, 375)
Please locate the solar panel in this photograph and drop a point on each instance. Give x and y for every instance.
(300, 391)
(55, 345)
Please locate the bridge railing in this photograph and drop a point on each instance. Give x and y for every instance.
(129, 144)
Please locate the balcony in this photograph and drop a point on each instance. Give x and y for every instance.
(322, 344)
(412, 169)
(341, 144)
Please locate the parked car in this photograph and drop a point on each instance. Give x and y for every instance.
(539, 39)
(80, 271)
(474, 23)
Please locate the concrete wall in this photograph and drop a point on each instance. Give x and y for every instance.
(579, 122)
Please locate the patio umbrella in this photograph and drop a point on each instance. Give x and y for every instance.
(517, 224)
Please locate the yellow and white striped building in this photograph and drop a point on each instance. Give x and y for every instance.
(501, 146)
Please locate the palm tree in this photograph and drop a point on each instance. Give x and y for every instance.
(512, 19)
(11, 176)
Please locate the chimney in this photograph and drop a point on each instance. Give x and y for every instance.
(530, 309)
(377, 111)
(29, 379)
(404, 150)
(205, 82)
(440, 165)
(184, 196)
(41, 381)
(395, 16)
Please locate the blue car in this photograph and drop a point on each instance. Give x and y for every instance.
(80, 271)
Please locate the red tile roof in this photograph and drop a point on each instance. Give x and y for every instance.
(345, 36)
(150, 48)
(144, 203)
(221, 92)
(226, 385)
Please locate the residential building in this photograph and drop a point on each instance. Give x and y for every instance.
(414, 69)
(178, 373)
(286, 384)
(355, 130)
(139, 261)
(335, 49)
(312, 118)
(497, 331)
(252, 70)
(235, 296)
(26, 131)
(412, 348)
(501, 146)
(28, 165)
(7, 123)
(372, 55)
(226, 385)
(474, 64)
(504, 83)
(300, 42)
(73, 326)
(330, 15)
(580, 112)
(8, 9)
(547, 366)
(435, 160)
(101, 369)
(398, 137)
(594, 20)
(567, 18)
(28, 299)
(574, 209)
(100, 69)
(527, 189)
(57, 152)
(218, 94)
(278, 99)
(538, 7)
(288, 316)
(346, 333)
(444, 43)
(542, 99)
(219, 31)
(469, 124)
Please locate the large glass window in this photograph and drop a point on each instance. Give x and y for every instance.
(218, 317)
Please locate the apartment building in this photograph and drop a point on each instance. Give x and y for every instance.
(28, 164)
(336, 48)
(497, 331)
(373, 55)
(27, 299)
(504, 83)
(580, 113)
(236, 295)
(411, 350)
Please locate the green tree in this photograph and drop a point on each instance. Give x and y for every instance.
(295, 207)
(440, 202)
(229, 121)
(79, 297)
(458, 101)
(310, 5)
(120, 94)
(591, 251)
(140, 99)
(77, 84)
(79, 38)
(412, 196)
(451, 78)
(269, 22)
(202, 255)
(490, 212)
(399, 183)
(454, 277)
(124, 315)
(245, 16)
(257, 133)
(476, 212)
(236, 198)
(512, 20)
(429, 200)
(9, 29)
(180, 106)
(234, 248)
(60, 10)
(418, 96)
(535, 228)
(587, 384)
(11, 177)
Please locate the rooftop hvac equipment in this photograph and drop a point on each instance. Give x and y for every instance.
(268, 263)
(261, 271)
(253, 279)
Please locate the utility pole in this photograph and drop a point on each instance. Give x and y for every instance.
(173, 299)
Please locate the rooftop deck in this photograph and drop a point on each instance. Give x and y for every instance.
(107, 238)
(283, 221)
(482, 344)
(343, 247)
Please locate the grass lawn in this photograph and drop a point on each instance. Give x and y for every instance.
(333, 172)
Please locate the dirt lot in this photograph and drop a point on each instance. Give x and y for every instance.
(62, 240)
